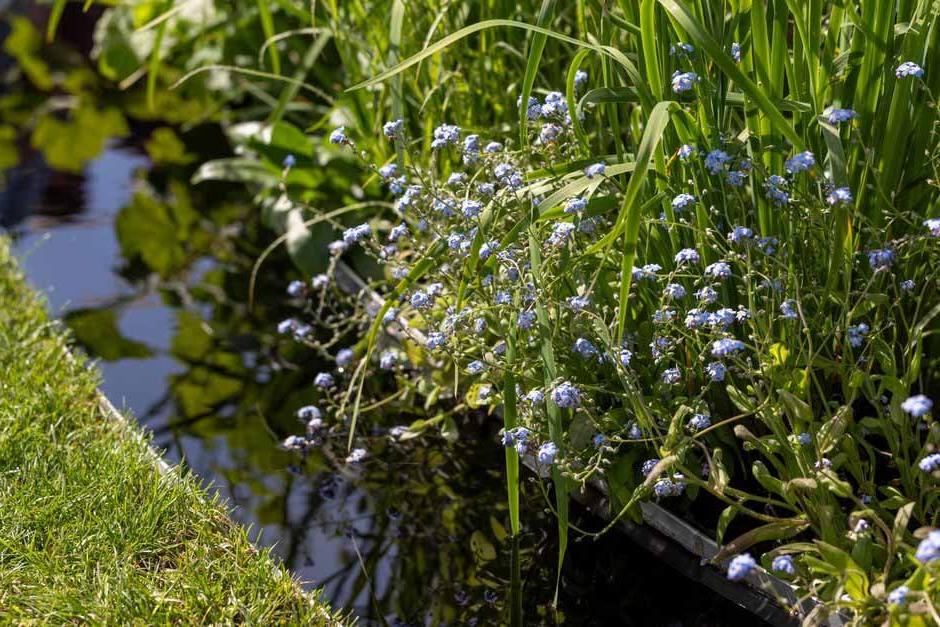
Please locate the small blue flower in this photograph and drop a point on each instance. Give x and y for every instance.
(476, 367)
(736, 52)
(308, 413)
(805, 439)
(686, 151)
(338, 136)
(686, 255)
(388, 171)
(681, 48)
(917, 405)
(788, 309)
(289, 161)
(648, 466)
(799, 162)
(444, 135)
(933, 225)
(674, 291)
(740, 234)
(898, 596)
(596, 169)
(839, 195)
(683, 81)
(718, 270)
(647, 272)
(580, 78)
(295, 289)
(634, 432)
(319, 281)
(560, 234)
(526, 319)
(699, 422)
(576, 205)
(549, 133)
(393, 129)
(880, 258)
(775, 187)
(584, 348)
(783, 564)
(420, 300)
(566, 395)
(908, 285)
(909, 68)
(535, 396)
(838, 116)
(578, 303)
(547, 453)
(625, 357)
(398, 232)
(471, 208)
(736, 178)
(741, 566)
(456, 179)
(707, 295)
(682, 201)
(716, 371)
(324, 380)
(494, 147)
(388, 360)
(726, 346)
(929, 548)
(598, 440)
(715, 161)
(344, 357)
(671, 376)
(856, 334)
(357, 233)
(555, 105)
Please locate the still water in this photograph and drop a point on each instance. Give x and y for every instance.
(151, 274)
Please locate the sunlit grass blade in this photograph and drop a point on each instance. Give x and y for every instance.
(55, 15)
(267, 27)
(153, 66)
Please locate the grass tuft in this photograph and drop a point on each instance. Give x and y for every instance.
(91, 530)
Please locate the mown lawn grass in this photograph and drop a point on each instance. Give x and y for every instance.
(90, 529)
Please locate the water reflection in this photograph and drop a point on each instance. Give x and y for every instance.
(151, 275)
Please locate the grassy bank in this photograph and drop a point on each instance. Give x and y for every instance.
(90, 529)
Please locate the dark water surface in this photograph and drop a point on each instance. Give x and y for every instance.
(152, 275)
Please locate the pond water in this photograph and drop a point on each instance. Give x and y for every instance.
(152, 274)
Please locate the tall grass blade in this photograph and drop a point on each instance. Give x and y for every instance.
(532, 68)
(555, 427)
(715, 52)
(267, 27)
(55, 15)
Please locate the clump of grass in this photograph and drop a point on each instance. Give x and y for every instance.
(91, 530)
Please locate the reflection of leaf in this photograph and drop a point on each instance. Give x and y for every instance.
(202, 388)
(9, 156)
(97, 331)
(23, 43)
(192, 340)
(165, 147)
(147, 228)
(69, 144)
(482, 548)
